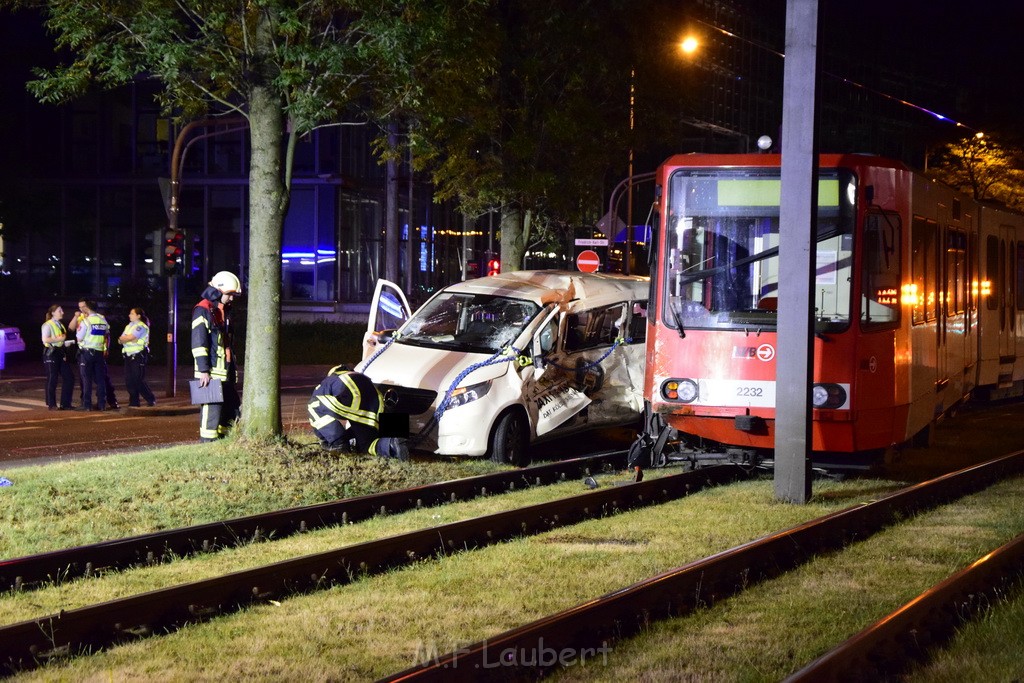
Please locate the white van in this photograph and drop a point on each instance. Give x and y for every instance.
(487, 366)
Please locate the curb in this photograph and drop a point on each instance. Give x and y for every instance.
(159, 410)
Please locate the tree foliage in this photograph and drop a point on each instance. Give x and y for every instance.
(288, 66)
(530, 121)
(984, 168)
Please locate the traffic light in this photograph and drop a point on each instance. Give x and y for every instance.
(174, 252)
(494, 267)
(153, 253)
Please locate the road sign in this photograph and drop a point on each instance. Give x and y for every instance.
(594, 242)
(588, 261)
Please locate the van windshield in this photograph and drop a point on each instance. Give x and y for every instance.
(476, 323)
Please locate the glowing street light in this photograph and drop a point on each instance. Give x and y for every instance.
(689, 45)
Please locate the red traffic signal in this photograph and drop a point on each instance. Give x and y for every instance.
(494, 267)
(174, 250)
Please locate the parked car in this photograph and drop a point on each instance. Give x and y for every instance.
(488, 366)
(10, 341)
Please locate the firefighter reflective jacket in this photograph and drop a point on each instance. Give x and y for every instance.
(211, 337)
(345, 395)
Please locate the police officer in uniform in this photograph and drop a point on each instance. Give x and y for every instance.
(55, 360)
(211, 351)
(135, 340)
(345, 409)
(92, 334)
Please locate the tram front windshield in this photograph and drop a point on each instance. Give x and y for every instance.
(721, 249)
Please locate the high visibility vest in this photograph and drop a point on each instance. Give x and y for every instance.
(141, 333)
(94, 331)
(56, 330)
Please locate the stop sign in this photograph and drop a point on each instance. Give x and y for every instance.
(588, 261)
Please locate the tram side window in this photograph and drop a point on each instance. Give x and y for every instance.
(956, 276)
(1020, 276)
(924, 269)
(991, 272)
(881, 277)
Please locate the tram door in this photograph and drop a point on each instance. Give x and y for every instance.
(1007, 303)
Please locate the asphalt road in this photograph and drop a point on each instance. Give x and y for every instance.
(32, 434)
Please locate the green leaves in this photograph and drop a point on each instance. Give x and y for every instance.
(983, 167)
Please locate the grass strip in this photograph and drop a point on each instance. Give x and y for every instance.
(65, 504)
(385, 623)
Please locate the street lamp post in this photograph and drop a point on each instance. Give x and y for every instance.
(173, 209)
(629, 186)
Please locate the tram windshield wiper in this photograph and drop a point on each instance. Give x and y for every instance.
(675, 304)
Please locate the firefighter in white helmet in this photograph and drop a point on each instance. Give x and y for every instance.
(212, 353)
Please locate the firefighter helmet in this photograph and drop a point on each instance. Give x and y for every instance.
(227, 282)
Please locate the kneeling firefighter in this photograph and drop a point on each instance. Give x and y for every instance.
(345, 408)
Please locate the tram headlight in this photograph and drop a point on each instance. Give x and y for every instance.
(682, 390)
(828, 396)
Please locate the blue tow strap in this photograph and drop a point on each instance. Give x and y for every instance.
(503, 355)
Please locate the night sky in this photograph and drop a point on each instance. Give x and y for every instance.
(975, 48)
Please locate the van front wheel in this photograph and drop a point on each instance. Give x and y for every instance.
(510, 440)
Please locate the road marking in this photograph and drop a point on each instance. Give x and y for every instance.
(25, 401)
(13, 409)
(15, 429)
(120, 419)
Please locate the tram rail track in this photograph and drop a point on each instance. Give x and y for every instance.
(595, 624)
(909, 633)
(27, 644)
(85, 560)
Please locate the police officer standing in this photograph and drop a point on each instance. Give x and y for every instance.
(345, 408)
(92, 334)
(211, 351)
(135, 340)
(55, 360)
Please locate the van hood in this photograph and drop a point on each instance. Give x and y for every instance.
(426, 368)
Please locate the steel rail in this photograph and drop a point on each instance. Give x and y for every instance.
(586, 631)
(883, 650)
(26, 644)
(85, 560)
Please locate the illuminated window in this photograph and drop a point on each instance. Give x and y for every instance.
(880, 275)
(924, 269)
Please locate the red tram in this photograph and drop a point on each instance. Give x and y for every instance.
(918, 304)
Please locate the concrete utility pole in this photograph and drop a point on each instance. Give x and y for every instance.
(798, 215)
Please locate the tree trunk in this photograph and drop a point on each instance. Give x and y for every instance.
(513, 246)
(268, 202)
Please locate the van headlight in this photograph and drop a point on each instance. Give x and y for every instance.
(464, 395)
(828, 396)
